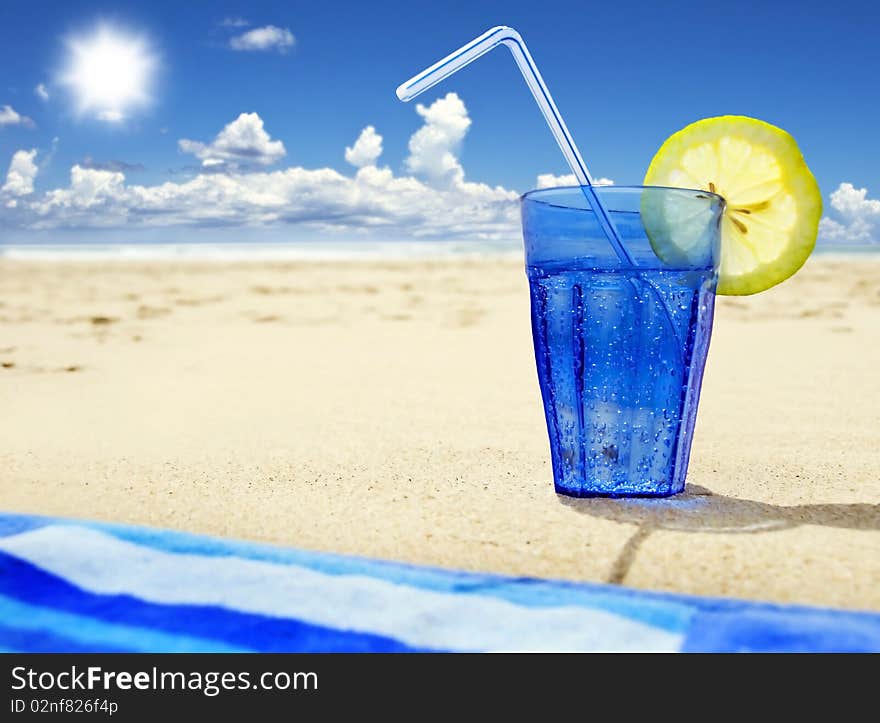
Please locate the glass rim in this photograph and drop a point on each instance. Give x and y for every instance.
(531, 195)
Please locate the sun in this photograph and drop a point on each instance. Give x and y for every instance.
(110, 73)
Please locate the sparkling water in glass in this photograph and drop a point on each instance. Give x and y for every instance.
(620, 349)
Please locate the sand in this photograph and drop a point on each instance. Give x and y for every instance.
(391, 409)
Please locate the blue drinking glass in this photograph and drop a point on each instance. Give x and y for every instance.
(620, 348)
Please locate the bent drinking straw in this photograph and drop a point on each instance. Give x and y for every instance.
(502, 34)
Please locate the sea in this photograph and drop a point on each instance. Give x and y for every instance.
(291, 251)
(304, 251)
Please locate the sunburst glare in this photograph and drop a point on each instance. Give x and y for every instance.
(110, 73)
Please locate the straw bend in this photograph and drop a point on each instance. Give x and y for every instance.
(456, 60)
(503, 35)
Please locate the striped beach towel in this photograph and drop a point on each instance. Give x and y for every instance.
(68, 586)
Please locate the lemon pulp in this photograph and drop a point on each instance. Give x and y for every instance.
(771, 220)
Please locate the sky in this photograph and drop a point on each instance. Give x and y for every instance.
(278, 121)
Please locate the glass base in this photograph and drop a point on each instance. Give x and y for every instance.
(646, 491)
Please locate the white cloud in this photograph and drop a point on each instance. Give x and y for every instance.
(371, 203)
(548, 180)
(858, 217)
(244, 141)
(373, 199)
(366, 149)
(268, 37)
(21, 174)
(10, 117)
(853, 202)
(41, 92)
(433, 148)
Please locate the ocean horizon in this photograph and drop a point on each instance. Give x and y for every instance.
(301, 251)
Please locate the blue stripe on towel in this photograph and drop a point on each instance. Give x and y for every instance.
(763, 628)
(84, 629)
(15, 524)
(218, 629)
(27, 640)
(68, 586)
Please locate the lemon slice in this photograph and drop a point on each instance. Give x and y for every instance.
(771, 220)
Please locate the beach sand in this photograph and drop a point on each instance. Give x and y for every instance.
(391, 409)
